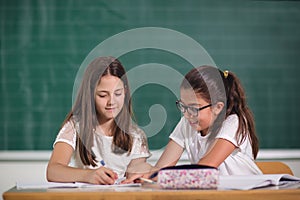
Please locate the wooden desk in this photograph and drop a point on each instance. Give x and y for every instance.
(146, 193)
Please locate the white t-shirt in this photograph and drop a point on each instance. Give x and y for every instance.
(239, 162)
(102, 148)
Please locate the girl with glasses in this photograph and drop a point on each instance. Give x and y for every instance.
(217, 128)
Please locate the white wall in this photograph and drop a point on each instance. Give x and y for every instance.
(31, 166)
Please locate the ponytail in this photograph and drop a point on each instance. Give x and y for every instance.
(236, 104)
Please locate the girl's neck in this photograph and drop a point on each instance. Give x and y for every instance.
(106, 127)
(203, 132)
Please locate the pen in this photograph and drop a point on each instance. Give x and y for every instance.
(153, 175)
(103, 164)
(146, 180)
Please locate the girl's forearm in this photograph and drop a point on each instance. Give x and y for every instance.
(60, 173)
(170, 156)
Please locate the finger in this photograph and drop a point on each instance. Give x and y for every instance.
(111, 173)
(126, 181)
(106, 179)
(135, 178)
(105, 176)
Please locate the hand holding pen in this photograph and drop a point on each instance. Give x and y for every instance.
(103, 175)
(150, 177)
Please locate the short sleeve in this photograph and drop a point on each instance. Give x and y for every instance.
(67, 134)
(140, 144)
(178, 133)
(229, 129)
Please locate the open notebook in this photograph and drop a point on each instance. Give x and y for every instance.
(247, 182)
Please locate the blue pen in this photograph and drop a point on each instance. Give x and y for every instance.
(153, 175)
(102, 162)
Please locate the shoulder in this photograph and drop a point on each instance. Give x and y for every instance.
(136, 132)
(232, 117)
(67, 133)
(140, 144)
(229, 125)
(183, 123)
(69, 126)
(182, 133)
(182, 127)
(75, 121)
(231, 120)
(229, 129)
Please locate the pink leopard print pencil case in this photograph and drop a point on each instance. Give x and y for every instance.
(188, 177)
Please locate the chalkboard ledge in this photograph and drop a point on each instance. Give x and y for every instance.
(264, 154)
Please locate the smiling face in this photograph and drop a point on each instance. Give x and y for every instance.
(109, 97)
(205, 117)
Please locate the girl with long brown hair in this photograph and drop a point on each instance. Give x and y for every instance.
(98, 135)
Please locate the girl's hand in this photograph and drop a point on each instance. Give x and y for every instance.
(136, 168)
(133, 178)
(102, 175)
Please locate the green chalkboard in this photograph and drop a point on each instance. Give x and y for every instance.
(44, 43)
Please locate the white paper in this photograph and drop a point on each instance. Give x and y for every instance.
(247, 182)
(43, 185)
(46, 185)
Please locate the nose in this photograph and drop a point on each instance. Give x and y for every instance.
(110, 100)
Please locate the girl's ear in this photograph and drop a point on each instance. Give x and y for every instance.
(217, 108)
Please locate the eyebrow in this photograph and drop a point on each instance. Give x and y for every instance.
(108, 91)
(192, 104)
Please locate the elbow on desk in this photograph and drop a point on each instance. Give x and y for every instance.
(49, 172)
(54, 172)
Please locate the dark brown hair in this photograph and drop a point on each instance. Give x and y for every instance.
(84, 110)
(216, 86)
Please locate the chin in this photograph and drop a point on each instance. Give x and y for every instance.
(108, 116)
(197, 128)
(194, 127)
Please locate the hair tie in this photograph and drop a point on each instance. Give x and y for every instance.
(225, 73)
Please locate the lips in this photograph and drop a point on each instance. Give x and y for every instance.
(110, 109)
(193, 123)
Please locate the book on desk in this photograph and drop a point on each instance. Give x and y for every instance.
(248, 182)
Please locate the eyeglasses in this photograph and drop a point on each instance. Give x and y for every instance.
(190, 109)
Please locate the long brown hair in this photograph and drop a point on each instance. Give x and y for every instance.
(216, 86)
(84, 111)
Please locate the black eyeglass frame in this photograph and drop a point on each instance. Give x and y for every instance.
(179, 105)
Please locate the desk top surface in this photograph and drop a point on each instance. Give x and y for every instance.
(150, 191)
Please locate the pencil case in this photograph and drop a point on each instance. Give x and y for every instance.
(188, 177)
